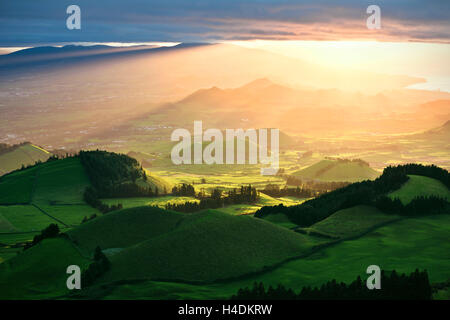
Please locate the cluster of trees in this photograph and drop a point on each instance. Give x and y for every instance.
(430, 171)
(129, 190)
(183, 190)
(108, 169)
(358, 161)
(5, 148)
(217, 199)
(91, 197)
(317, 187)
(417, 207)
(415, 286)
(52, 231)
(113, 175)
(303, 190)
(96, 269)
(365, 192)
(86, 219)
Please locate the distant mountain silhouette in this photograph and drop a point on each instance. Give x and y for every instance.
(51, 49)
(38, 56)
(442, 130)
(438, 134)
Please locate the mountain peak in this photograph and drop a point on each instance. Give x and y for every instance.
(258, 84)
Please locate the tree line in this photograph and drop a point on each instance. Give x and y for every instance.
(52, 231)
(303, 190)
(5, 148)
(113, 175)
(394, 286)
(365, 193)
(108, 170)
(96, 269)
(91, 197)
(184, 190)
(217, 199)
(419, 206)
(317, 187)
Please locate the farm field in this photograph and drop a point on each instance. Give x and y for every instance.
(157, 201)
(17, 187)
(26, 154)
(60, 182)
(236, 209)
(36, 197)
(21, 218)
(337, 170)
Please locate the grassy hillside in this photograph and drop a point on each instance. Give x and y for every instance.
(204, 246)
(125, 228)
(420, 186)
(155, 181)
(403, 245)
(61, 182)
(207, 246)
(352, 221)
(25, 154)
(33, 198)
(143, 201)
(235, 209)
(23, 218)
(39, 272)
(280, 219)
(17, 187)
(337, 170)
(165, 249)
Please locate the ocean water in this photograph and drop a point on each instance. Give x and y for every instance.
(433, 83)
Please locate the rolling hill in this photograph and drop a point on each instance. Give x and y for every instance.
(204, 246)
(23, 154)
(39, 272)
(49, 192)
(441, 132)
(125, 228)
(417, 186)
(207, 246)
(352, 222)
(337, 170)
(191, 255)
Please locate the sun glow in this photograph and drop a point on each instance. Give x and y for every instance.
(408, 58)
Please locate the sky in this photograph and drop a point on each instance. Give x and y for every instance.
(30, 22)
(414, 37)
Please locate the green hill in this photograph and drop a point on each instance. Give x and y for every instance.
(58, 181)
(125, 228)
(13, 157)
(150, 242)
(351, 222)
(208, 246)
(420, 186)
(49, 192)
(33, 198)
(337, 170)
(39, 272)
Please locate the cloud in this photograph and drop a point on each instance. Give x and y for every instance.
(43, 21)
